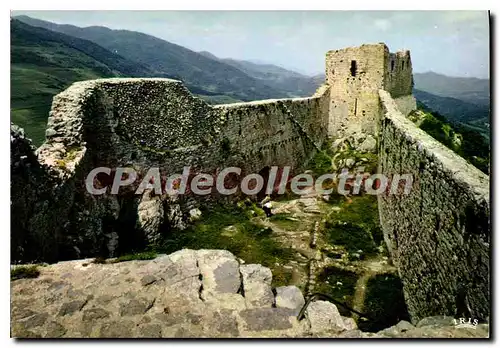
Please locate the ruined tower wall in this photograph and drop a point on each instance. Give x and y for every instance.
(438, 235)
(399, 80)
(398, 74)
(355, 75)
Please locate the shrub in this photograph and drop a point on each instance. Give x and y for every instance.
(25, 271)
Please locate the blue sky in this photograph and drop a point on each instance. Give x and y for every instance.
(454, 43)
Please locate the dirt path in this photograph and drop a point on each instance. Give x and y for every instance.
(299, 227)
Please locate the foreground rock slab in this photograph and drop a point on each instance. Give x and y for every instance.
(190, 293)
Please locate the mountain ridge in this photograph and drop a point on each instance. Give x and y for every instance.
(469, 89)
(166, 57)
(43, 63)
(217, 80)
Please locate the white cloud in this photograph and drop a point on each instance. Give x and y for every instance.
(382, 24)
(464, 16)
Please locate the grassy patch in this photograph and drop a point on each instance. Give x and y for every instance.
(246, 239)
(357, 227)
(384, 302)
(353, 237)
(61, 164)
(145, 255)
(71, 153)
(462, 139)
(281, 276)
(25, 271)
(335, 199)
(369, 160)
(338, 283)
(321, 163)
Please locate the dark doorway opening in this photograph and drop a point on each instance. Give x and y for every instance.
(354, 68)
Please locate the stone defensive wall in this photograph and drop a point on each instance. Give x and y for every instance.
(144, 123)
(129, 121)
(278, 132)
(438, 235)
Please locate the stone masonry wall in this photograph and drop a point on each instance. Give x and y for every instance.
(145, 123)
(439, 234)
(355, 75)
(406, 104)
(282, 132)
(398, 74)
(34, 224)
(139, 121)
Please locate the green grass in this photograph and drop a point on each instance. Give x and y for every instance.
(248, 240)
(384, 300)
(283, 277)
(283, 221)
(460, 138)
(25, 271)
(321, 163)
(145, 255)
(369, 160)
(357, 227)
(71, 153)
(341, 285)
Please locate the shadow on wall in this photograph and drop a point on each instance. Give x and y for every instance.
(385, 302)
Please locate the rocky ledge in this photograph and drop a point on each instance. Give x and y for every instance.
(190, 293)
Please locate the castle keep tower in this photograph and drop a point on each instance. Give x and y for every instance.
(355, 75)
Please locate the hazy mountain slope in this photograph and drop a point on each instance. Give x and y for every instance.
(162, 56)
(293, 83)
(43, 63)
(456, 110)
(460, 99)
(468, 89)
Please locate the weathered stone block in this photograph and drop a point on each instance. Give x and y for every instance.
(324, 316)
(257, 285)
(290, 297)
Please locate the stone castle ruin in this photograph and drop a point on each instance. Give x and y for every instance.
(438, 236)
